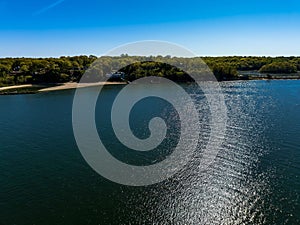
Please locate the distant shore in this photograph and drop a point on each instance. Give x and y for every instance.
(15, 87)
(36, 88)
(66, 86)
(39, 88)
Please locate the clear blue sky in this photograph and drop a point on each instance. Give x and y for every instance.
(215, 27)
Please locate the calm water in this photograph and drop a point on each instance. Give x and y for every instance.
(254, 180)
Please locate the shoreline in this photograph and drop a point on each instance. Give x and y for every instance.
(15, 87)
(39, 88)
(67, 86)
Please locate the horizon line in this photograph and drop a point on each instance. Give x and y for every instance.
(74, 55)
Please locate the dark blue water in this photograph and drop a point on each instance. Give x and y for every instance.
(255, 178)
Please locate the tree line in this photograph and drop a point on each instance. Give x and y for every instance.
(66, 69)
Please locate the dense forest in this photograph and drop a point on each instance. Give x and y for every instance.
(66, 69)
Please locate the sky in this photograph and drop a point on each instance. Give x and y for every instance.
(52, 28)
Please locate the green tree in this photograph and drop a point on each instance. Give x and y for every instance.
(279, 67)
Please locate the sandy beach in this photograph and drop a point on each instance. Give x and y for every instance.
(57, 87)
(15, 87)
(66, 86)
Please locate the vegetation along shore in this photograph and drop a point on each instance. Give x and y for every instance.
(30, 75)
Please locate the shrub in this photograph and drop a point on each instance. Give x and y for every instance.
(279, 67)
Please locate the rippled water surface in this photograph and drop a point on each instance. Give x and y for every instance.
(255, 178)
